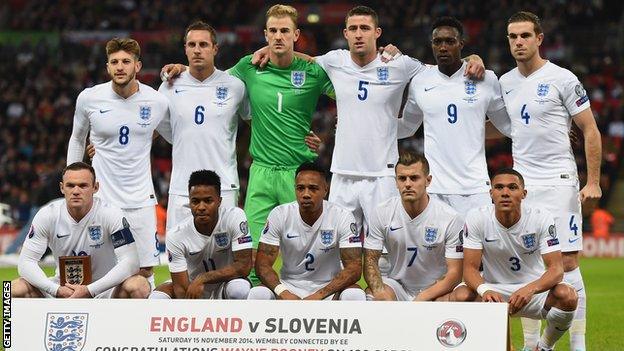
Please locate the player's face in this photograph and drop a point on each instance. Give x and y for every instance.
(204, 202)
(446, 45)
(78, 187)
(523, 42)
(361, 34)
(507, 193)
(311, 189)
(122, 67)
(412, 181)
(281, 35)
(200, 50)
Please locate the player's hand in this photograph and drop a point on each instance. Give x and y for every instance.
(64, 292)
(171, 71)
(475, 69)
(313, 142)
(313, 297)
(80, 291)
(195, 290)
(590, 193)
(389, 53)
(260, 57)
(492, 296)
(382, 295)
(519, 299)
(287, 295)
(90, 151)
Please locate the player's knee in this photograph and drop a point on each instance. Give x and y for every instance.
(20, 288)
(136, 287)
(146, 272)
(565, 296)
(463, 294)
(570, 261)
(352, 294)
(237, 289)
(260, 293)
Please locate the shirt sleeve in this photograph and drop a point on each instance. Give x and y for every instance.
(412, 115)
(164, 127)
(80, 129)
(244, 107)
(496, 111)
(412, 66)
(347, 231)
(574, 96)
(473, 231)
(239, 230)
(326, 85)
(454, 247)
(239, 69)
(175, 252)
(272, 231)
(376, 230)
(549, 242)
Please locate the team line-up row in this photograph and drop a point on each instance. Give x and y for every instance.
(197, 110)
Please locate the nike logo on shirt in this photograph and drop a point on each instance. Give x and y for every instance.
(291, 236)
(261, 72)
(427, 89)
(179, 91)
(395, 228)
(490, 240)
(573, 240)
(104, 111)
(194, 253)
(62, 236)
(508, 91)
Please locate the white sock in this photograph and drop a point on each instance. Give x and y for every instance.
(352, 294)
(159, 295)
(531, 329)
(151, 282)
(260, 293)
(577, 331)
(237, 289)
(559, 322)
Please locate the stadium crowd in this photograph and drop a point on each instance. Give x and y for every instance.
(51, 50)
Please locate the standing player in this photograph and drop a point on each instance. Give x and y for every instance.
(505, 237)
(454, 110)
(423, 237)
(121, 116)
(81, 225)
(210, 253)
(543, 100)
(205, 106)
(314, 237)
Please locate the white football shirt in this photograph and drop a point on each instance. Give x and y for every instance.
(96, 235)
(197, 253)
(121, 131)
(541, 106)
(310, 254)
(203, 124)
(511, 255)
(368, 100)
(418, 247)
(454, 110)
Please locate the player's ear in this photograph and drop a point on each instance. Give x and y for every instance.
(540, 39)
(377, 32)
(428, 182)
(266, 38)
(216, 48)
(297, 33)
(61, 187)
(524, 193)
(138, 66)
(96, 187)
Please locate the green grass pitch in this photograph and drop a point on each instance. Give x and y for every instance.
(605, 290)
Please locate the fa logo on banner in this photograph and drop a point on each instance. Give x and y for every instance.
(66, 331)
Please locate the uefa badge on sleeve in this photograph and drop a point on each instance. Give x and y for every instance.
(66, 331)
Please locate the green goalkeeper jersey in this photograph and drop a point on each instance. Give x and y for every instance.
(282, 103)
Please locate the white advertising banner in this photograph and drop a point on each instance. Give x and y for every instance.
(221, 325)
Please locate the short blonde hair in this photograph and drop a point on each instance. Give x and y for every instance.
(128, 45)
(283, 11)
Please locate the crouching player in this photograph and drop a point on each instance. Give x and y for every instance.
(81, 225)
(515, 242)
(210, 252)
(314, 236)
(423, 237)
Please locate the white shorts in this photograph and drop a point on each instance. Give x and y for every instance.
(400, 291)
(564, 202)
(143, 227)
(361, 195)
(310, 289)
(178, 207)
(464, 203)
(534, 309)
